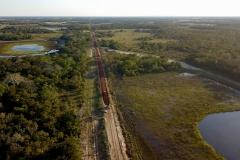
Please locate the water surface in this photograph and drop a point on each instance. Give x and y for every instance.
(222, 132)
(28, 47)
(54, 28)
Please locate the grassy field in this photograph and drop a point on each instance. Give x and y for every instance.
(160, 40)
(128, 36)
(56, 34)
(2, 25)
(5, 47)
(165, 110)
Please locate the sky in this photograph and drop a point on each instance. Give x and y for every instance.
(113, 8)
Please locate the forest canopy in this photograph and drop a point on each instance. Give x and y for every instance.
(38, 119)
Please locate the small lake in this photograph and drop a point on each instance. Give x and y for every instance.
(222, 132)
(54, 28)
(28, 47)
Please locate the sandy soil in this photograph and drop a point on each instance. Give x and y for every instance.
(117, 146)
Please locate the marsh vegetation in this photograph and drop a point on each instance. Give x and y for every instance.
(165, 110)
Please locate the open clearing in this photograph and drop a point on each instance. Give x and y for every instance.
(2, 25)
(166, 108)
(56, 34)
(128, 36)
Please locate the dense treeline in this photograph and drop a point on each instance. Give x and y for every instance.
(131, 65)
(38, 119)
(14, 36)
(104, 34)
(43, 21)
(127, 25)
(110, 44)
(76, 41)
(12, 33)
(210, 43)
(213, 49)
(78, 27)
(25, 29)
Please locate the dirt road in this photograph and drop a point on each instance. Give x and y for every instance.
(117, 146)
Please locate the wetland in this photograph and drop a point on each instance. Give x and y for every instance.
(221, 89)
(28, 47)
(155, 103)
(167, 132)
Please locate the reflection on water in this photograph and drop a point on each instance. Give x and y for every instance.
(54, 28)
(28, 47)
(222, 131)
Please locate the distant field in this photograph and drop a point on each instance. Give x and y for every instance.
(166, 109)
(160, 40)
(55, 23)
(2, 26)
(56, 34)
(106, 23)
(86, 31)
(128, 36)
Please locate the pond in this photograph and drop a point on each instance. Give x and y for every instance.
(28, 47)
(222, 132)
(54, 28)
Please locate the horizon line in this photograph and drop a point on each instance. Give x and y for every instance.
(123, 16)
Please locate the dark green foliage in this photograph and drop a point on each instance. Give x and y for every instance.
(37, 118)
(14, 36)
(25, 29)
(131, 65)
(68, 123)
(104, 34)
(12, 33)
(110, 43)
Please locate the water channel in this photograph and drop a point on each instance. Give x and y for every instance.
(220, 130)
